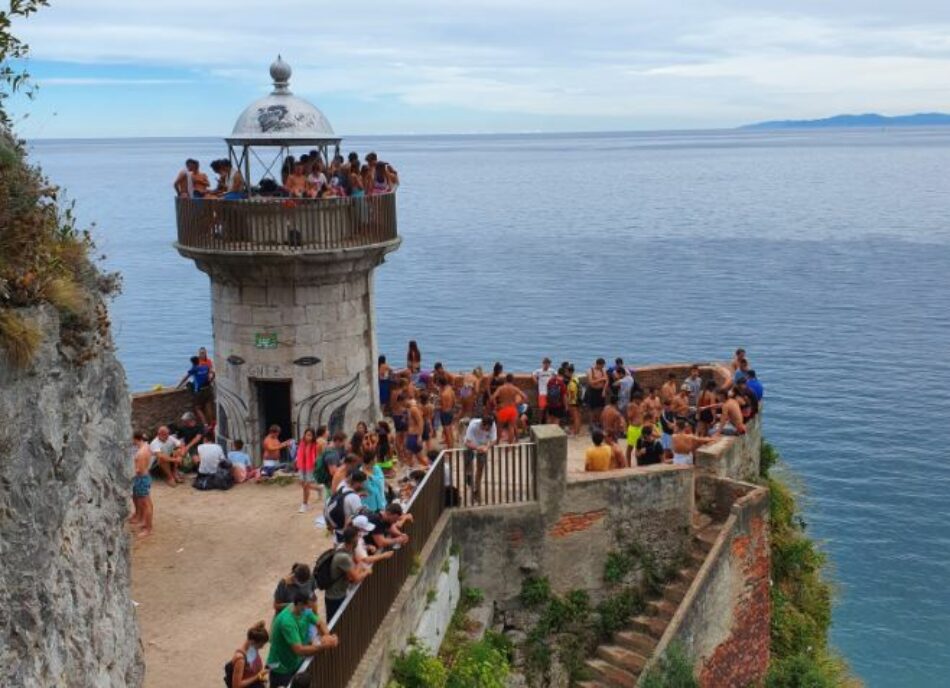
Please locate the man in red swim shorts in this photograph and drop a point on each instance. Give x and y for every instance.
(506, 399)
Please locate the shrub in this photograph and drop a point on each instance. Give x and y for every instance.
(416, 668)
(479, 665)
(674, 670)
(535, 591)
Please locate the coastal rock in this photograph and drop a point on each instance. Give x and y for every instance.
(65, 471)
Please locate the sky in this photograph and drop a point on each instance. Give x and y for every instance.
(183, 68)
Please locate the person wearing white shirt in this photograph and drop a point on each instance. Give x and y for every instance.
(166, 455)
(210, 455)
(480, 437)
(543, 376)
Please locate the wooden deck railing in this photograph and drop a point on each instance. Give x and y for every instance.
(509, 476)
(285, 225)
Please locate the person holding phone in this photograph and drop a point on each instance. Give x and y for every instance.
(248, 665)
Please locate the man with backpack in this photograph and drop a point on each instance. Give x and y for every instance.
(345, 503)
(291, 639)
(337, 570)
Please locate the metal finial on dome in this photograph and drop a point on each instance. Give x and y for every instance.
(280, 72)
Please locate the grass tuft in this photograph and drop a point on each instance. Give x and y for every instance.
(20, 338)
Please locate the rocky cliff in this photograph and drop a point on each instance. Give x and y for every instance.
(66, 618)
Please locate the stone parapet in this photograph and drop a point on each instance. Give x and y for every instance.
(159, 407)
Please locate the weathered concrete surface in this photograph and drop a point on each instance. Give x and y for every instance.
(568, 533)
(733, 457)
(441, 600)
(407, 610)
(723, 621)
(66, 618)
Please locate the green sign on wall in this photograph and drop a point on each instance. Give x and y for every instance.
(265, 340)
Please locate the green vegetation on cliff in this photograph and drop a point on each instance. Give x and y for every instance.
(44, 258)
(801, 597)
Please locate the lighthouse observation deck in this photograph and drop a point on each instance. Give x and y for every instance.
(285, 225)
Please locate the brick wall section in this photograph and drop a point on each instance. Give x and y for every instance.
(152, 409)
(723, 621)
(743, 659)
(571, 523)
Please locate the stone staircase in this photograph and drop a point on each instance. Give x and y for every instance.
(621, 662)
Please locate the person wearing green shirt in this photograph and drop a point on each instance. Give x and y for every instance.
(290, 640)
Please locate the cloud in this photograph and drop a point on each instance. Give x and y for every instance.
(635, 62)
(108, 81)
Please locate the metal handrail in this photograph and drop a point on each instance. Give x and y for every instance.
(285, 225)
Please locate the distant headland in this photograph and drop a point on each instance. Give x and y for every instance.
(924, 119)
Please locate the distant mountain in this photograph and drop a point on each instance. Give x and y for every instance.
(925, 119)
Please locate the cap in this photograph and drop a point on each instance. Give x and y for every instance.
(188, 415)
(363, 524)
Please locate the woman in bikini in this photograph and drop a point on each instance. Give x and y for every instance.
(413, 357)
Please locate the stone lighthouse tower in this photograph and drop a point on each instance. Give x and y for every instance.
(291, 279)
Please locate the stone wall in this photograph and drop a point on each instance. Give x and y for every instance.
(160, 407)
(568, 533)
(723, 621)
(733, 457)
(66, 618)
(407, 610)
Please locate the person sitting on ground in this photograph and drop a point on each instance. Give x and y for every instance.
(343, 571)
(306, 461)
(141, 486)
(684, 443)
(210, 456)
(189, 433)
(241, 468)
(247, 665)
(506, 399)
(291, 640)
(272, 448)
(167, 454)
(480, 437)
(598, 457)
(649, 448)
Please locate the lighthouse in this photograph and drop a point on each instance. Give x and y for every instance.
(292, 302)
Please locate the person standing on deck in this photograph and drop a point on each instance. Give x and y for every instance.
(506, 400)
(447, 411)
(596, 390)
(542, 376)
(414, 430)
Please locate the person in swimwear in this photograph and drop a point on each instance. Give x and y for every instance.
(467, 393)
(613, 421)
(398, 405)
(428, 413)
(669, 388)
(706, 409)
(296, 183)
(413, 357)
(415, 450)
(596, 390)
(730, 420)
(506, 400)
(684, 443)
(447, 412)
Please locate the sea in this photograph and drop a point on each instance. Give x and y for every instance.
(825, 254)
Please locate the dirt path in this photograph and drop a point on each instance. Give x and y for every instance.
(208, 573)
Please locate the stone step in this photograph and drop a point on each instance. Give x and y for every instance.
(661, 608)
(641, 643)
(651, 625)
(623, 658)
(675, 592)
(611, 675)
(708, 534)
(687, 574)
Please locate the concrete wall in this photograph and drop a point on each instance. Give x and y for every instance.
(407, 610)
(723, 621)
(568, 533)
(152, 409)
(733, 457)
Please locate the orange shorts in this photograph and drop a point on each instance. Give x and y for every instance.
(508, 414)
(542, 401)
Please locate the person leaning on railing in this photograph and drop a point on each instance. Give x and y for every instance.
(293, 636)
(480, 436)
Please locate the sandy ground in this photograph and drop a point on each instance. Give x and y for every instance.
(208, 572)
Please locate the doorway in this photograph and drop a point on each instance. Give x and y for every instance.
(274, 406)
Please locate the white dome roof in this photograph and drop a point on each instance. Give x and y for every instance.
(281, 117)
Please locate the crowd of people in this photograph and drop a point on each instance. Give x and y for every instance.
(364, 480)
(306, 177)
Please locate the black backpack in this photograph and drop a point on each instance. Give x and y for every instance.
(222, 479)
(323, 569)
(203, 482)
(334, 512)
